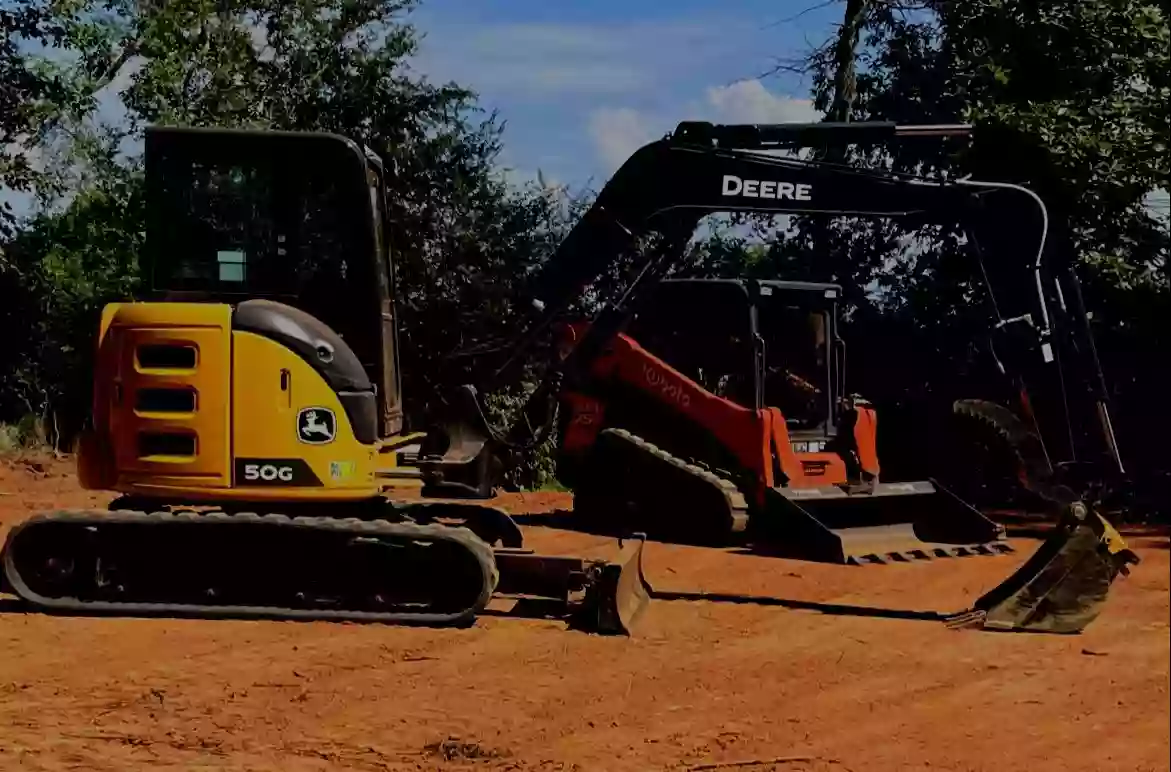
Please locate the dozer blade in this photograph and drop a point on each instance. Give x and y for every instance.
(622, 592)
(1061, 588)
(890, 522)
(599, 596)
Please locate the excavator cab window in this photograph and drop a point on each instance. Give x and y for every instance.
(390, 384)
(796, 325)
(235, 215)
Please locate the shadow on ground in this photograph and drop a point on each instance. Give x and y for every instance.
(833, 609)
(543, 609)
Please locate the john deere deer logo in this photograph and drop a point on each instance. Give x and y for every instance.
(316, 425)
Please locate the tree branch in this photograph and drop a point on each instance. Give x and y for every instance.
(796, 16)
(845, 55)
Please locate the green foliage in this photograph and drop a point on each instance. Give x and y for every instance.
(23, 91)
(1078, 97)
(462, 239)
(56, 275)
(27, 434)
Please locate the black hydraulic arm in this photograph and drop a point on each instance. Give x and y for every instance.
(701, 168)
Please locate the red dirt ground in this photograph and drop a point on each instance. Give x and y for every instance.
(706, 683)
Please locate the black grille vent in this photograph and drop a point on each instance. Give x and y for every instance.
(165, 400)
(165, 444)
(166, 357)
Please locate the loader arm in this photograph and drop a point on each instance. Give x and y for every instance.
(739, 436)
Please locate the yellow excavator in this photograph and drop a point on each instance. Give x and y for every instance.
(249, 411)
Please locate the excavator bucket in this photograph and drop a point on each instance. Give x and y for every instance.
(1061, 588)
(889, 522)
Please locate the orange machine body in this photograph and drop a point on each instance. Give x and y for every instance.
(758, 439)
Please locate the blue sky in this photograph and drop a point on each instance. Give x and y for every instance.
(583, 84)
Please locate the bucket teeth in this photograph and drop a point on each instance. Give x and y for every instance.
(917, 554)
(966, 619)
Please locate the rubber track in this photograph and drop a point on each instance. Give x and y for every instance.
(359, 528)
(737, 504)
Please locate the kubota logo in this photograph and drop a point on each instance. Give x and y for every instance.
(783, 191)
(658, 381)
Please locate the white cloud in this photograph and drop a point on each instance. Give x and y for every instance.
(579, 98)
(616, 132)
(535, 59)
(748, 101)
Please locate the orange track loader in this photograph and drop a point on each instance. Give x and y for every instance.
(738, 425)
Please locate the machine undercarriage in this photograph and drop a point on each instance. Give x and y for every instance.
(327, 567)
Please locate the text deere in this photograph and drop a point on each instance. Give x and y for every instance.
(734, 186)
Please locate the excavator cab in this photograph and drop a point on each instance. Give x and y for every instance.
(752, 342)
(803, 372)
(290, 217)
(260, 361)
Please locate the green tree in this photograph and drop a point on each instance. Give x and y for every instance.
(62, 268)
(330, 65)
(1072, 99)
(23, 91)
(463, 235)
(1069, 98)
